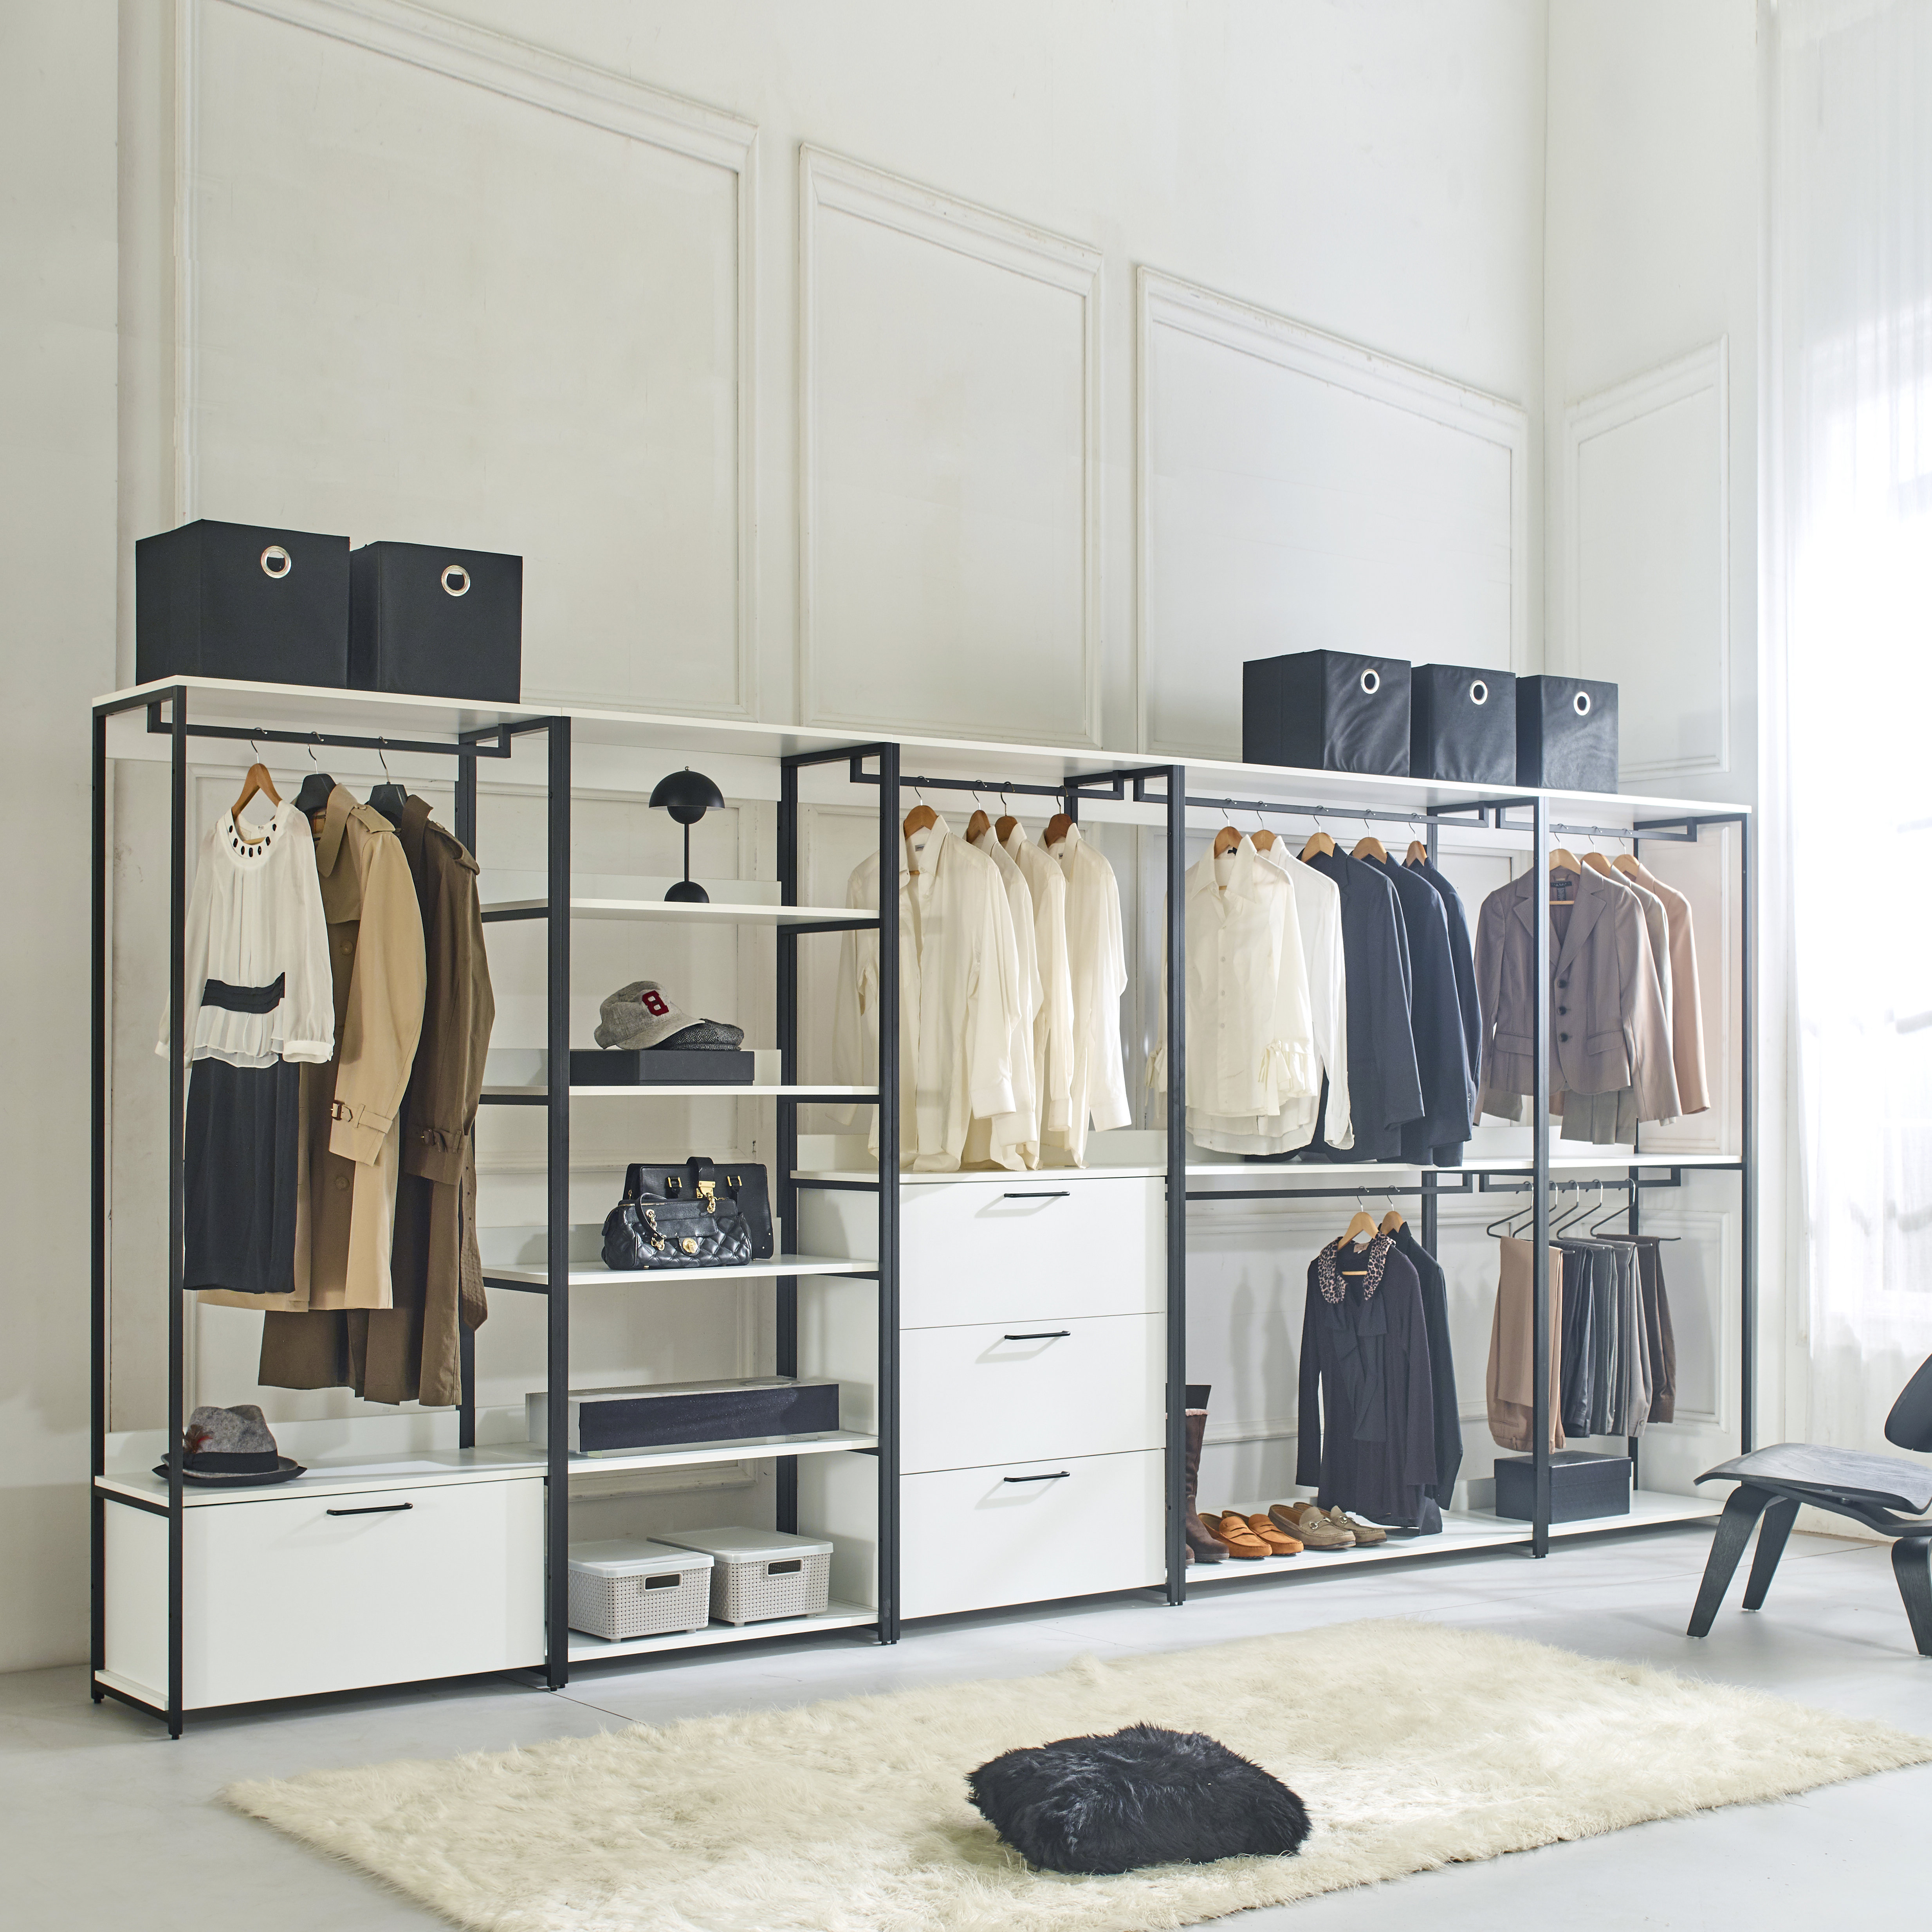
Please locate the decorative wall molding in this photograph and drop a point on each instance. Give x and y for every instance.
(830, 182)
(1704, 370)
(1165, 301)
(535, 77)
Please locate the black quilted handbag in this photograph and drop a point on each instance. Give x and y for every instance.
(695, 1215)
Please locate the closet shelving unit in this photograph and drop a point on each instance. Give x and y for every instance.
(1159, 795)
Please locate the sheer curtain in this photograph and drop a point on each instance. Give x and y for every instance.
(1850, 552)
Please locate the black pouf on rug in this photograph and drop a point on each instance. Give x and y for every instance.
(1142, 1796)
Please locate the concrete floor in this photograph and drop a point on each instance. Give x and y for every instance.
(106, 1826)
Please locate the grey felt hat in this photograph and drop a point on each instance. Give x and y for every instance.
(641, 1014)
(231, 1445)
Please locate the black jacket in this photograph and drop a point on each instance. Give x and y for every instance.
(1366, 1415)
(1435, 1023)
(1463, 956)
(1385, 1089)
(1448, 1420)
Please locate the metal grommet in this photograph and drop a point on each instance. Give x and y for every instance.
(1580, 704)
(276, 562)
(1479, 692)
(1371, 682)
(455, 579)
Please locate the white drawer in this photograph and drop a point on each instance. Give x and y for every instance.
(1094, 1386)
(307, 1594)
(1022, 1533)
(1013, 1247)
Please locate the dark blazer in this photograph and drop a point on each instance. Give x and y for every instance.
(1366, 1416)
(1435, 1023)
(1448, 1420)
(1385, 1087)
(1462, 956)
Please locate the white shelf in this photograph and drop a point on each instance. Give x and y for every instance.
(686, 912)
(600, 1276)
(1371, 1170)
(1028, 1179)
(1463, 1531)
(585, 1648)
(744, 1448)
(655, 1090)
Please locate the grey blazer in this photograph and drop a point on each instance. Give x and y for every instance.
(1606, 1023)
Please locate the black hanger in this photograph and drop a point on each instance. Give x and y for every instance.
(389, 798)
(1514, 1214)
(313, 796)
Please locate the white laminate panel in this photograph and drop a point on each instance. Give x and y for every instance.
(973, 1538)
(1019, 1247)
(136, 1569)
(1090, 1386)
(284, 1598)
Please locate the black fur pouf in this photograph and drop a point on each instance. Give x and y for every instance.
(1143, 1796)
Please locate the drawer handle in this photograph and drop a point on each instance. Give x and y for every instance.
(374, 1509)
(1042, 1335)
(1039, 1194)
(1052, 1476)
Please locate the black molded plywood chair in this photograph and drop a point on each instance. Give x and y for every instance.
(1870, 1490)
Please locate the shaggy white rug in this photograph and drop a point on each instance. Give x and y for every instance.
(1412, 1745)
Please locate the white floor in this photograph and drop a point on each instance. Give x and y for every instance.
(106, 1826)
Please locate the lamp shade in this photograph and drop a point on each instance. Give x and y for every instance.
(687, 796)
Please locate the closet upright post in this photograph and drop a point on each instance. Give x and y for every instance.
(1177, 1183)
(557, 989)
(1539, 1351)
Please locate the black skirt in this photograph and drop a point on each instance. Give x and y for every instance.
(242, 1162)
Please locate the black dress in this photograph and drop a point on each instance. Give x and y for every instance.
(1448, 1420)
(1367, 1411)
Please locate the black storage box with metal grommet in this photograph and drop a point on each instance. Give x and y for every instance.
(241, 600)
(1461, 725)
(429, 620)
(1582, 1484)
(1328, 710)
(1566, 734)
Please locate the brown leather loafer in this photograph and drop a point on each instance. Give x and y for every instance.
(1364, 1533)
(1242, 1542)
(1280, 1543)
(1308, 1523)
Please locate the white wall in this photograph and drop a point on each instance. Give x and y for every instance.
(58, 563)
(384, 274)
(1650, 422)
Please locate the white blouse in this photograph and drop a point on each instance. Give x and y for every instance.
(1097, 954)
(959, 998)
(1013, 1141)
(255, 948)
(1053, 1025)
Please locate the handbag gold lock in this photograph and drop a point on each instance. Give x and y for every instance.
(707, 1192)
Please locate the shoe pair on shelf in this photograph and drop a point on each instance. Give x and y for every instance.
(1324, 1529)
(1251, 1537)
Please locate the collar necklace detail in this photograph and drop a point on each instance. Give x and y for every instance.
(1328, 1273)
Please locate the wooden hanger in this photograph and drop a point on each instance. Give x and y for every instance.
(1417, 853)
(1319, 843)
(1058, 827)
(1626, 863)
(1361, 1228)
(921, 818)
(1225, 840)
(977, 824)
(257, 780)
(1371, 847)
(1263, 840)
(1562, 860)
(1391, 1221)
(1003, 828)
(1597, 862)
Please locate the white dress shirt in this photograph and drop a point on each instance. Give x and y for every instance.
(1013, 1141)
(1053, 1025)
(1317, 908)
(1097, 956)
(958, 995)
(1250, 1037)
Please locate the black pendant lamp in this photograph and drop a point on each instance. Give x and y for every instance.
(688, 795)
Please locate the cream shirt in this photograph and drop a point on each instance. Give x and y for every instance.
(959, 995)
(1318, 909)
(1097, 957)
(1250, 1035)
(1053, 1024)
(1013, 1140)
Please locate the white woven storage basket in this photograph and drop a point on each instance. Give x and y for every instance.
(758, 1574)
(627, 1589)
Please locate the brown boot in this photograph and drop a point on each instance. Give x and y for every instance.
(1203, 1545)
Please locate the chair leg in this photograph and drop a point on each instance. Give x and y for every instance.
(1911, 1565)
(1771, 1536)
(1734, 1530)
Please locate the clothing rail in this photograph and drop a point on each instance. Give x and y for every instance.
(1484, 1184)
(469, 745)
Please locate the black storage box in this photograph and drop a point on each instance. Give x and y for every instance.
(1329, 710)
(1582, 1483)
(660, 1067)
(1566, 734)
(657, 1415)
(436, 622)
(1461, 725)
(241, 600)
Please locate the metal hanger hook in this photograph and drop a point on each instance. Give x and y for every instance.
(314, 739)
(381, 746)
